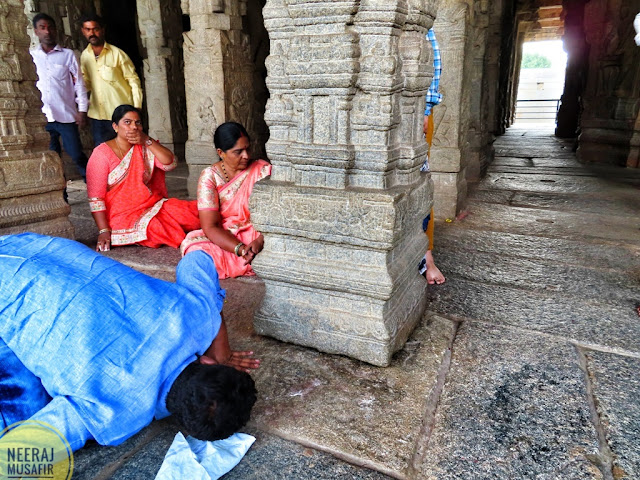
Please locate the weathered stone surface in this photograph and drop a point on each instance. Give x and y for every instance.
(596, 321)
(513, 406)
(457, 242)
(552, 223)
(616, 389)
(273, 457)
(341, 406)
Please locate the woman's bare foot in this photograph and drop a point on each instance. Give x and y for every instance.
(433, 273)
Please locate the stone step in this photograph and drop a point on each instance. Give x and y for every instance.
(596, 321)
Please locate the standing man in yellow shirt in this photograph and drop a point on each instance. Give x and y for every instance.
(110, 77)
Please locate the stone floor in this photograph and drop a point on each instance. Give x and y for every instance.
(525, 366)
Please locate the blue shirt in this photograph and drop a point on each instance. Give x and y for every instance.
(106, 341)
(433, 96)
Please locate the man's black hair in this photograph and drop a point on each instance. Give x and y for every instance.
(211, 402)
(91, 17)
(43, 16)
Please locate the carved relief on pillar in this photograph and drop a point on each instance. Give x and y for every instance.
(31, 176)
(220, 78)
(612, 95)
(347, 82)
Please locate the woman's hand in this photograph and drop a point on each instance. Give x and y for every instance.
(242, 361)
(136, 137)
(104, 242)
(253, 249)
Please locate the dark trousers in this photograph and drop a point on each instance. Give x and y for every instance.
(102, 131)
(71, 143)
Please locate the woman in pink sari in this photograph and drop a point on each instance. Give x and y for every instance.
(224, 189)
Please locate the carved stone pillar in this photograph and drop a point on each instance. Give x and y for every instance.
(612, 95)
(479, 137)
(218, 72)
(576, 73)
(31, 176)
(342, 211)
(449, 150)
(160, 25)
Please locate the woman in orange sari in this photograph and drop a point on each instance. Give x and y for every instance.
(223, 204)
(127, 190)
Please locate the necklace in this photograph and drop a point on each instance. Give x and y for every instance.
(224, 170)
(119, 149)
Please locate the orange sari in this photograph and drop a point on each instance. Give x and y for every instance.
(234, 208)
(137, 205)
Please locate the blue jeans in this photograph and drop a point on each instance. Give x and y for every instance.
(21, 392)
(71, 143)
(101, 131)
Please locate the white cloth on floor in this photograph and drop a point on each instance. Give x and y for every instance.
(201, 460)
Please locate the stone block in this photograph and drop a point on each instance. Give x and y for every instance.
(340, 266)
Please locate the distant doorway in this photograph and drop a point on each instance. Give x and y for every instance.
(542, 77)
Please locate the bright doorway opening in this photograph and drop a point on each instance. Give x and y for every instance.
(542, 73)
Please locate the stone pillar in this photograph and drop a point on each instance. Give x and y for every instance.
(218, 72)
(449, 150)
(479, 137)
(31, 176)
(342, 211)
(612, 95)
(576, 73)
(160, 25)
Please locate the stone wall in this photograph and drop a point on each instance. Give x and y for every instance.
(31, 176)
(342, 211)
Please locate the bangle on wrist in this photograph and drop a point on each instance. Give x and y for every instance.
(237, 249)
(104, 230)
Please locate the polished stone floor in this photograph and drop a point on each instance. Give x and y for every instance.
(525, 366)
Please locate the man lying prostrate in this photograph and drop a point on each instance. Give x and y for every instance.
(97, 350)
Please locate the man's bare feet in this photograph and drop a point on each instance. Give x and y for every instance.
(433, 273)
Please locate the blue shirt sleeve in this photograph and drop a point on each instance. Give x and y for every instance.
(60, 414)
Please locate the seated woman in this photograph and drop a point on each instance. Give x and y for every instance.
(223, 203)
(127, 191)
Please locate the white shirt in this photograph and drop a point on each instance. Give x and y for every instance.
(61, 84)
(636, 24)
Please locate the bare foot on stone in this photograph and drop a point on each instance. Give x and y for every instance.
(433, 273)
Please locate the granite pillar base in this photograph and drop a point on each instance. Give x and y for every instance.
(340, 266)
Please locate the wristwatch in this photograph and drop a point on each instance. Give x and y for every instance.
(148, 142)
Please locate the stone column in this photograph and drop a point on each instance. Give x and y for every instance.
(612, 95)
(576, 73)
(342, 211)
(449, 150)
(218, 72)
(160, 25)
(31, 176)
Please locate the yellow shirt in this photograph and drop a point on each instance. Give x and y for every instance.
(111, 79)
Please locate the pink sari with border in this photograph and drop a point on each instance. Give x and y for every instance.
(236, 218)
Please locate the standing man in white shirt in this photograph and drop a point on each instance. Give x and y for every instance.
(64, 95)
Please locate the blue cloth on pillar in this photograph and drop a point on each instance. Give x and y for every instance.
(106, 341)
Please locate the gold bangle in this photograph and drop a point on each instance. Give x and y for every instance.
(104, 230)
(237, 249)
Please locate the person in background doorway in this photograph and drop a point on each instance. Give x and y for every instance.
(110, 77)
(64, 96)
(427, 266)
